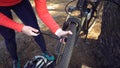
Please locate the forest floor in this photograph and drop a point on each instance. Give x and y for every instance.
(27, 47)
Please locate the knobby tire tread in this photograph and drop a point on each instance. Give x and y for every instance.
(66, 56)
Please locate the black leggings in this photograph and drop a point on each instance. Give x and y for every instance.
(25, 12)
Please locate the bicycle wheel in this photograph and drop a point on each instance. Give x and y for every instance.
(67, 49)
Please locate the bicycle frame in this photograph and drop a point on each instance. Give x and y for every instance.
(85, 15)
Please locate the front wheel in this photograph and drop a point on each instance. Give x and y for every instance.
(63, 59)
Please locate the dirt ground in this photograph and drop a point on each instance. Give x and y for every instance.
(27, 47)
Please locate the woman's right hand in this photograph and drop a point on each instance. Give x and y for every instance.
(30, 31)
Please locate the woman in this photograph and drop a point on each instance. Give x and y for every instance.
(24, 11)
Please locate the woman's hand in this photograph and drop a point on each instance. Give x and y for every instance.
(30, 31)
(61, 33)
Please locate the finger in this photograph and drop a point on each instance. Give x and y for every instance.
(36, 31)
(69, 32)
(33, 29)
(34, 34)
(62, 41)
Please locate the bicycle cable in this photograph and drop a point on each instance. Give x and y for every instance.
(50, 35)
(67, 5)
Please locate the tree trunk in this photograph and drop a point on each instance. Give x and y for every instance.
(108, 54)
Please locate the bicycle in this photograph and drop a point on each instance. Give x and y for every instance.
(80, 23)
(88, 12)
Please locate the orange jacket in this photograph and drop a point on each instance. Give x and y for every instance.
(41, 9)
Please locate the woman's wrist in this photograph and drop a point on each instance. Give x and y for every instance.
(58, 31)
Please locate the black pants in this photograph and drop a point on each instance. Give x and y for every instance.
(25, 12)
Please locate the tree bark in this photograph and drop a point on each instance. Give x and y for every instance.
(108, 43)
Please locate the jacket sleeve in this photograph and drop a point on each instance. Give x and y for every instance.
(7, 22)
(45, 16)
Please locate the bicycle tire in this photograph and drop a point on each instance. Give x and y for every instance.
(67, 53)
